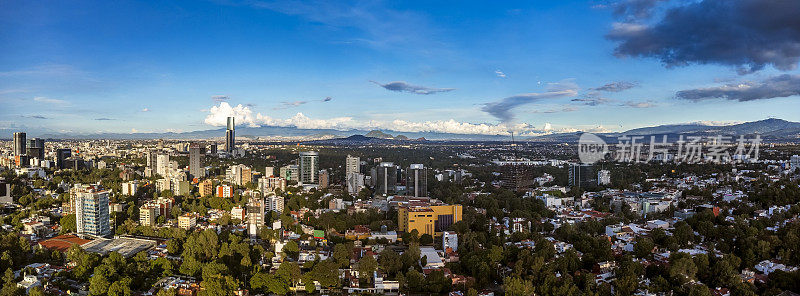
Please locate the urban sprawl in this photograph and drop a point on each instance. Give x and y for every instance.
(398, 216)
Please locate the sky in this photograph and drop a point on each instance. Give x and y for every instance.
(472, 67)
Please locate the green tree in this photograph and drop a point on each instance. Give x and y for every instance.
(341, 255)
(326, 273)
(643, 247)
(682, 269)
(517, 287)
(291, 249)
(120, 287)
(390, 262)
(366, 266)
(426, 239)
(10, 285)
(290, 271)
(218, 286)
(98, 285)
(68, 223)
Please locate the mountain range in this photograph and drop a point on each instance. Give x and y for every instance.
(776, 130)
(770, 129)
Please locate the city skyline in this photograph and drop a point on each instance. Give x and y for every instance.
(534, 68)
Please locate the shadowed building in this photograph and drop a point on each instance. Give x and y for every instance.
(417, 181)
(309, 167)
(230, 136)
(19, 144)
(196, 160)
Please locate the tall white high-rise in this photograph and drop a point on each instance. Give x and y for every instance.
(162, 164)
(91, 212)
(352, 164)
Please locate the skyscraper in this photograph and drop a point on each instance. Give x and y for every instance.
(91, 212)
(196, 160)
(19, 143)
(61, 157)
(352, 175)
(35, 148)
(352, 164)
(385, 178)
(230, 136)
(309, 167)
(582, 176)
(516, 177)
(417, 181)
(162, 164)
(152, 163)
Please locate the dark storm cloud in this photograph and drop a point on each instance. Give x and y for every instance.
(616, 86)
(591, 99)
(746, 34)
(774, 87)
(402, 86)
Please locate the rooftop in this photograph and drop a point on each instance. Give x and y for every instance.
(63, 242)
(126, 246)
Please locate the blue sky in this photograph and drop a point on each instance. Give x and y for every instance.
(472, 67)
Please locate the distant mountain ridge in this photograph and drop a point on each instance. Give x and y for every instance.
(769, 129)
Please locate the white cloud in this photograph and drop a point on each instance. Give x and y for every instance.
(500, 73)
(286, 105)
(715, 123)
(49, 100)
(645, 104)
(145, 110)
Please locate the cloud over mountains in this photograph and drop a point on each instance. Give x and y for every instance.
(774, 87)
(217, 116)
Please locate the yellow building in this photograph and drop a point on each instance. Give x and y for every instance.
(206, 187)
(430, 219)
